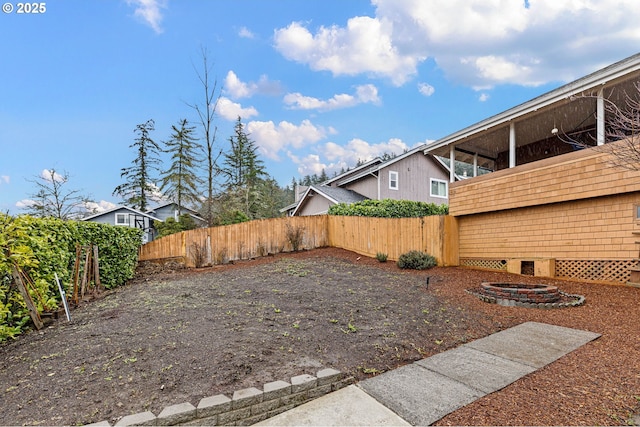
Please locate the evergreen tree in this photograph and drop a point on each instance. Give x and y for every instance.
(139, 187)
(243, 170)
(180, 182)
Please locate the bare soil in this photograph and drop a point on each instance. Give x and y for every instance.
(178, 336)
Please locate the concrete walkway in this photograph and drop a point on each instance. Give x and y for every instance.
(425, 391)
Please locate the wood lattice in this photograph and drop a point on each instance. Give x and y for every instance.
(491, 264)
(598, 270)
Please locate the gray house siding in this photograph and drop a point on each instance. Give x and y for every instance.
(125, 217)
(316, 205)
(414, 175)
(368, 187)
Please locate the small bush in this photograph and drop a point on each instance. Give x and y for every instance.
(295, 236)
(416, 260)
(382, 257)
(198, 254)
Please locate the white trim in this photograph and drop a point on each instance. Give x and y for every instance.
(392, 180)
(439, 181)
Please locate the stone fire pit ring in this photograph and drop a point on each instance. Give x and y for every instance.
(526, 295)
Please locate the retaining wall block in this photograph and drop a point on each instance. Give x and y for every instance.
(327, 376)
(246, 397)
(213, 405)
(303, 383)
(276, 389)
(176, 414)
(140, 419)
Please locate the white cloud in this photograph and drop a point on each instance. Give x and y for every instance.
(5, 179)
(239, 89)
(246, 33)
(337, 157)
(150, 12)
(271, 138)
(483, 97)
(98, 207)
(480, 43)
(364, 46)
(51, 176)
(231, 110)
(25, 203)
(364, 94)
(426, 89)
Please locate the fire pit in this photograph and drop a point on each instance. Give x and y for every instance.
(525, 295)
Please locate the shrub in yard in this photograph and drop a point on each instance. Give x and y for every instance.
(416, 260)
(382, 257)
(295, 236)
(389, 208)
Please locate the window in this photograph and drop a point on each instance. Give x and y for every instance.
(393, 180)
(439, 188)
(122, 219)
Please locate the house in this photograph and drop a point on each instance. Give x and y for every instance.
(412, 175)
(553, 205)
(173, 210)
(127, 217)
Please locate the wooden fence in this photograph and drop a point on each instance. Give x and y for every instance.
(436, 235)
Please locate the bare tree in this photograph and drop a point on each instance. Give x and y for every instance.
(206, 113)
(52, 198)
(622, 126)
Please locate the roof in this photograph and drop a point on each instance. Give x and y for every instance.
(376, 168)
(117, 208)
(191, 212)
(562, 108)
(333, 194)
(354, 170)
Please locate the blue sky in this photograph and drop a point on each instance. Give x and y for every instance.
(318, 84)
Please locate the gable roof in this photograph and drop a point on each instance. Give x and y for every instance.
(378, 167)
(333, 194)
(368, 164)
(118, 208)
(191, 212)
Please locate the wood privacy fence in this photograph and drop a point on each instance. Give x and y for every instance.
(436, 235)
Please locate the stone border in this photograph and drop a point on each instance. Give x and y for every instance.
(247, 406)
(579, 300)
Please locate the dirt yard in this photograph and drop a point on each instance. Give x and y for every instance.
(173, 337)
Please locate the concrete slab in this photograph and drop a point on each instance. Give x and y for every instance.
(419, 395)
(483, 371)
(534, 344)
(347, 406)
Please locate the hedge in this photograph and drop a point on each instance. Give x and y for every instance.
(389, 208)
(43, 247)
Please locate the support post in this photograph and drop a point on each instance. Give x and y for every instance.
(512, 145)
(33, 311)
(452, 165)
(600, 117)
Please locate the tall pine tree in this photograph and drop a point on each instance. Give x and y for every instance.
(138, 187)
(180, 182)
(243, 170)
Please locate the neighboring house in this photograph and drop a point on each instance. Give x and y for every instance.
(172, 210)
(317, 200)
(413, 175)
(127, 217)
(551, 208)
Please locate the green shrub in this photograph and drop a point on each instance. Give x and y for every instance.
(43, 247)
(382, 257)
(416, 260)
(389, 208)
